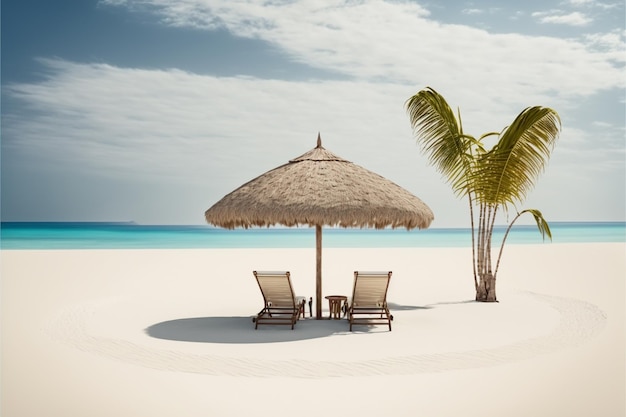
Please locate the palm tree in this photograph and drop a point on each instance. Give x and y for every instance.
(492, 180)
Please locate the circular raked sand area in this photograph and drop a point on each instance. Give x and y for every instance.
(438, 337)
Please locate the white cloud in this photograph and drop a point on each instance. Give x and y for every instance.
(396, 42)
(604, 125)
(559, 17)
(518, 15)
(214, 133)
(593, 4)
(611, 43)
(145, 122)
(473, 11)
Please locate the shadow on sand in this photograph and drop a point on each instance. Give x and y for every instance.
(241, 330)
(443, 303)
(399, 307)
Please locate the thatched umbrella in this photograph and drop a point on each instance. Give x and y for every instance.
(320, 189)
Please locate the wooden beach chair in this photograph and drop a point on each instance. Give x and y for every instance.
(368, 305)
(281, 306)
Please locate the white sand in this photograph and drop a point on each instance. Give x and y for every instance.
(168, 333)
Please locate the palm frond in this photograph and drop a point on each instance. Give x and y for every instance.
(441, 137)
(508, 172)
(542, 224)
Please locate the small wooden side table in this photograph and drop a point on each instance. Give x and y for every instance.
(334, 304)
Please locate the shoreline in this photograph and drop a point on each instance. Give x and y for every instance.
(72, 236)
(166, 332)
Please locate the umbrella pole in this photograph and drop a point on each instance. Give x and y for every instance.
(318, 272)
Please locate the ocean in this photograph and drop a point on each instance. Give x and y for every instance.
(38, 235)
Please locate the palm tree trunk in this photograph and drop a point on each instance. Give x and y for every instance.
(486, 291)
(471, 208)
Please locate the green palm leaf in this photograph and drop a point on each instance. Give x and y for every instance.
(441, 138)
(508, 172)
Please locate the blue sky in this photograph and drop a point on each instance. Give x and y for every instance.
(152, 110)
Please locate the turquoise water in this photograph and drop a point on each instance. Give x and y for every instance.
(130, 235)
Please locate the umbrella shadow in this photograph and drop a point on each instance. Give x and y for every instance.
(441, 303)
(400, 307)
(241, 330)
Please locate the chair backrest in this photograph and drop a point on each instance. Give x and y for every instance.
(370, 288)
(276, 288)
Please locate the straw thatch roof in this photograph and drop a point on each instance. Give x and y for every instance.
(319, 188)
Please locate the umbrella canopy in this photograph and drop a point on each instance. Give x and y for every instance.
(319, 189)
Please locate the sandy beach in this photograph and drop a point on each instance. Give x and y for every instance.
(169, 333)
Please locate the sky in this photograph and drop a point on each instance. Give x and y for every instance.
(152, 110)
